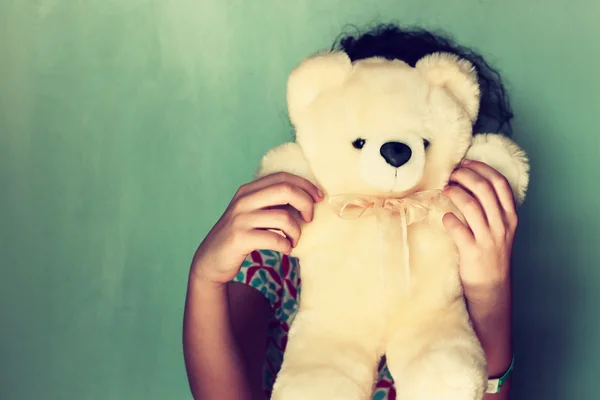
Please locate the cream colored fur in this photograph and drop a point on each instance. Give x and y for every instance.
(353, 307)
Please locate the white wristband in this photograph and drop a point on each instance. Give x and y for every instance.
(494, 385)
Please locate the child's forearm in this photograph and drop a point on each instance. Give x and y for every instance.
(492, 323)
(213, 362)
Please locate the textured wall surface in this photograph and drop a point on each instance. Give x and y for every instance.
(126, 126)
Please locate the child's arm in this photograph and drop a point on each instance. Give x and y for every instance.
(225, 323)
(225, 330)
(492, 323)
(485, 244)
(250, 315)
(211, 353)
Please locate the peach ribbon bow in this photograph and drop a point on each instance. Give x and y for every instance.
(410, 209)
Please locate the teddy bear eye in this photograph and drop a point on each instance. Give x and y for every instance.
(358, 143)
(426, 143)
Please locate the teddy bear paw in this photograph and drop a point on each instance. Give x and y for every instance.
(444, 375)
(318, 385)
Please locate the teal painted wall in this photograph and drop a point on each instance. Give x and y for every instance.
(125, 127)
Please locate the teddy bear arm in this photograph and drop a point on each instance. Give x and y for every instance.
(288, 158)
(504, 155)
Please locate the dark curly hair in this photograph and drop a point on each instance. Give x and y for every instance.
(411, 44)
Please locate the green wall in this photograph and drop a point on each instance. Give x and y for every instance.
(126, 126)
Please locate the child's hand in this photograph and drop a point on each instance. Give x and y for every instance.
(245, 225)
(485, 243)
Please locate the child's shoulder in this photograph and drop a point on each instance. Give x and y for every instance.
(276, 276)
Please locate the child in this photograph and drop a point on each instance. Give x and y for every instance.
(243, 286)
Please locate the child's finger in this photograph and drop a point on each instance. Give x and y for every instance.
(268, 240)
(278, 195)
(278, 178)
(471, 209)
(485, 193)
(461, 234)
(499, 182)
(277, 220)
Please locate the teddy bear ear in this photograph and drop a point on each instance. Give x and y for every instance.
(314, 75)
(456, 75)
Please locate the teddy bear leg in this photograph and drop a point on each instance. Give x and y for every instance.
(445, 363)
(319, 382)
(326, 365)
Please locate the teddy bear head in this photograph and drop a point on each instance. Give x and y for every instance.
(382, 127)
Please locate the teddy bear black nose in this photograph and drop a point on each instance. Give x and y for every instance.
(395, 153)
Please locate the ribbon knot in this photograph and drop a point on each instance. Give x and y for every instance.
(410, 209)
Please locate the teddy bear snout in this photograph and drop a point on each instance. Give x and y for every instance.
(396, 153)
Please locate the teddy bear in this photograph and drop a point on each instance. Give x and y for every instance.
(380, 139)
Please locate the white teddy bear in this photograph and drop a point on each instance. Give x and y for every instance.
(379, 270)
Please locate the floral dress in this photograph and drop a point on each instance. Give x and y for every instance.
(277, 277)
